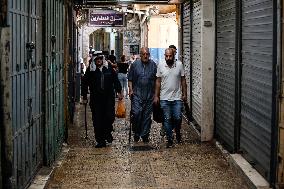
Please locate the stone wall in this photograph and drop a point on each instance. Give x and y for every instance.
(131, 34)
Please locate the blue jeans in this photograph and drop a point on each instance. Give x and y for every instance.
(172, 116)
(123, 81)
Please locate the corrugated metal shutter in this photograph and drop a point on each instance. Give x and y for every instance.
(225, 72)
(25, 19)
(54, 130)
(256, 96)
(186, 45)
(196, 62)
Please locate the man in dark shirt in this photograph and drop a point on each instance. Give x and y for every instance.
(141, 83)
(112, 59)
(102, 81)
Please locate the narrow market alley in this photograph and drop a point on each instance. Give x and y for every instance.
(221, 59)
(191, 164)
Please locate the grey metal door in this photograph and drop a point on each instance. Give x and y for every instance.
(187, 46)
(53, 79)
(257, 72)
(25, 19)
(225, 72)
(196, 62)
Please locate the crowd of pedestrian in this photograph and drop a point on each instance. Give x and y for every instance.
(145, 83)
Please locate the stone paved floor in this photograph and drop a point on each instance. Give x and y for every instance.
(191, 164)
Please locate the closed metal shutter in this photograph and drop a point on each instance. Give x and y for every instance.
(256, 96)
(54, 104)
(186, 44)
(25, 19)
(225, 72)
(196, 62)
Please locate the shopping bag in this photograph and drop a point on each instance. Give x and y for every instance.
(121, 110)
(157, 113)
(188, 113)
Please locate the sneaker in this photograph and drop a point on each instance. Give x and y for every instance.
(145, 139)
(100, 145)
(170, 144)
(162, 132)
(136, 138)
(178, 137)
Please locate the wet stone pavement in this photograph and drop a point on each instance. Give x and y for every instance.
(191, 164)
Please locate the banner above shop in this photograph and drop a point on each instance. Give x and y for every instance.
(106, 18)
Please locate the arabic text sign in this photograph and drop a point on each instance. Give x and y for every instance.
(106, 19)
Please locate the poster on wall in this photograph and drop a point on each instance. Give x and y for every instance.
(106, 18)
(134, 49)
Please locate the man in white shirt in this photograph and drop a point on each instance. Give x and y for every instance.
(170, 92)
(177, 129)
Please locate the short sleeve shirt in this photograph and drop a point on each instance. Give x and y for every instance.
(170, 80)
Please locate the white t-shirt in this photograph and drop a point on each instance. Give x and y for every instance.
(170, 80)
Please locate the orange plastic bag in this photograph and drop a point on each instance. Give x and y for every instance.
(121, 110)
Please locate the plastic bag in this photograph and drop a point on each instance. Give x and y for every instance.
(157, 113)
(187, 111)
(120, 110)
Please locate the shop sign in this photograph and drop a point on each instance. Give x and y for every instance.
(112, 19)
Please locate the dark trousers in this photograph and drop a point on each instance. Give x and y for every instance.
(141, 111)
(103, 118)
(102, 127)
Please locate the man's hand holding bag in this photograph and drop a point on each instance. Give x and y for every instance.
(121, 109)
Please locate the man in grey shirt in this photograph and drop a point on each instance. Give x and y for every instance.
(141, 83)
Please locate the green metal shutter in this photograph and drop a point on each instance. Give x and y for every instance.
(25, 19)
(54, 78)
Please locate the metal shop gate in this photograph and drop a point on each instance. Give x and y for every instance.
(187, 47)
(257, 84)
(196, 62)
(25, 19)
(53, 79)
(71, 67)
(246, 81)
(225, 73)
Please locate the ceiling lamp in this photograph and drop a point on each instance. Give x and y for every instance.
(175, 1)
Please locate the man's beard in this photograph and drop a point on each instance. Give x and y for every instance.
(144, 62)
(170, 62)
